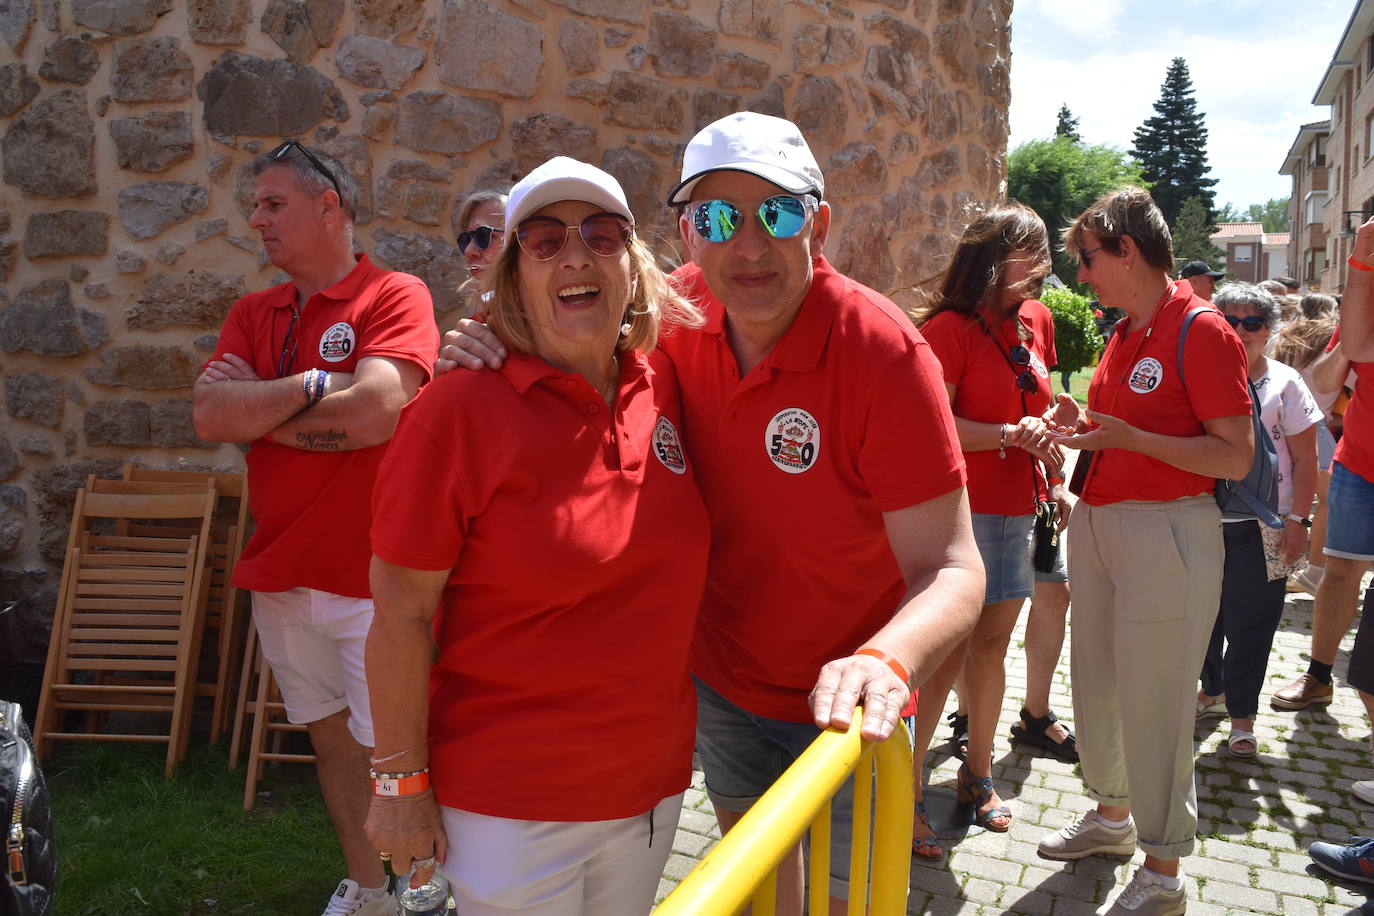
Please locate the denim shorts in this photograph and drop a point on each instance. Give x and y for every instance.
(743, 754)
(1005, 543)
(1326, 446)
(1349, 515)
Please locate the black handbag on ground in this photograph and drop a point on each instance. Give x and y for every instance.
(30, 853)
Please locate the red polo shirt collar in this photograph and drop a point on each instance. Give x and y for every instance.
(342, 291)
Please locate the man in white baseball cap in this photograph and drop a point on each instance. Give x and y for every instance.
(843, 568)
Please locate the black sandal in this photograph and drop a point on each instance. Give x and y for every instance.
(1033, 730)
(958, 738)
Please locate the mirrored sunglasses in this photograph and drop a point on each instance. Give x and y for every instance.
(1251, 323)
(782, 216)
(543, 237)
(481, 235)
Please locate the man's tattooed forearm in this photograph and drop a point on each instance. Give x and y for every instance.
(322, 440)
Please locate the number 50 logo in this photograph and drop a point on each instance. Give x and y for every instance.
(793, 440)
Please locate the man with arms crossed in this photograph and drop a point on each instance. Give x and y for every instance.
(314, 373)
(843, 567)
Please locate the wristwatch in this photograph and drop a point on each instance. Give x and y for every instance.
(1294, 517)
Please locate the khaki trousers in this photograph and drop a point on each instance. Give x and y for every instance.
(1146, 584)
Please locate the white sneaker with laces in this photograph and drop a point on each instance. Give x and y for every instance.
(1146, 896)
(347, 901)
(1089, 836)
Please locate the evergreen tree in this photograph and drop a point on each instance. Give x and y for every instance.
(1193, 235)
(1171, 147)
(1067, 125)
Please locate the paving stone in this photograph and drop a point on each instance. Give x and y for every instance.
(1230, 895)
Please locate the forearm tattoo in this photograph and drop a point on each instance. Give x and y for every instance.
(322, 440)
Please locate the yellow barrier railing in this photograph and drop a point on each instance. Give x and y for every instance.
(742, 869)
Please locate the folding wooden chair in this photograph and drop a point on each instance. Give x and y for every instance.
(128, 620)
(226, 620)
(259, 697)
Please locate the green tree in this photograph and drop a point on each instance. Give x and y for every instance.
(1059, 178)
(1171, 147)
(1273, 214)
(1076, 338)
(1193, 235)
(1067, 125)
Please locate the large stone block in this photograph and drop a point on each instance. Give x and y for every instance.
(153, 142)
(301, 27)
(428, 257)
(218, 22)
(740, 71)
(49, 150)
(645, 103)
(377, 64)
(35, 397)
(352, 151)
(150, 69)
(17, 88)
(681, 46)
(482, 47)
(54, 233)
(69, 60)
(856, 170)
(43, 320)
(757, 19)
(118, 421)
(817, 44)
(820, 111)
(11, 529)
(171, 426)
(16, 16)
(709, 105)
(148, 208)
(642, 177)
(387, 18)
(580, 45)
(430, 120)
(622, 10)
(54, 490)
(541, 137)
(195, 299)
(864, 250)
(9, 460)
(119, 17)
(266, 98)
(147, 368)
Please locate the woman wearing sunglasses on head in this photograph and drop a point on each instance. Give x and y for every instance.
(995, 343)
(479, 225)
(543, 522)
(1259, 559)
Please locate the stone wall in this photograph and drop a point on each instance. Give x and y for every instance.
(127, 123)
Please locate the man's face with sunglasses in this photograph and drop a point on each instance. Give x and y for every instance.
(754, 243)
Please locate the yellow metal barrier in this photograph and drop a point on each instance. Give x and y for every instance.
(742, 869)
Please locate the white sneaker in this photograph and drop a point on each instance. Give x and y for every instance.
(1146, 896)
(1307, 580)
(1364, 790)
(346, 901)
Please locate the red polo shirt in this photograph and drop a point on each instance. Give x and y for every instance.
(1355, 451)
(843, 420)
(985, 391)
(313, 509)
(576, 542)
(1137, 381)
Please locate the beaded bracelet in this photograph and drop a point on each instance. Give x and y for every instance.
(321, 380)
(308, 385)
(395, 785)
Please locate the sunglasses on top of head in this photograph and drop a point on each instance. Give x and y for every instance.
(782, 216)
(278, 154)
(481, 235)
(1251, 323)
(543, 237)
(1025, 379)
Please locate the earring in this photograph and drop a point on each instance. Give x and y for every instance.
(625, 329)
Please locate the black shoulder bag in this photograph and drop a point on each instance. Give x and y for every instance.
(30, 851)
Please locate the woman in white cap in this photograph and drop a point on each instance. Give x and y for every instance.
(539, 557)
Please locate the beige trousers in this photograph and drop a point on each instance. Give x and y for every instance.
(1146, 585)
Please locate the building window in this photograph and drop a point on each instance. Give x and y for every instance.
(1315, 264)
(1316, 201)
(1243, 254)
(1316, 152)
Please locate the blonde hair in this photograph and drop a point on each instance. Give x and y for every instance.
(1299, 343)
(654, 306)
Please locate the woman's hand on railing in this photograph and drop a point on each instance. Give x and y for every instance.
(859, 680)
(407, 828)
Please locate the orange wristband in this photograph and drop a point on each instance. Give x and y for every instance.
(888, 660)
(397, 786)
(1358, 264)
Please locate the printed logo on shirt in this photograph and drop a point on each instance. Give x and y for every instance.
(668, 447)
(1038, 365)
(337, 343)
(1146, 375)
(793, 440)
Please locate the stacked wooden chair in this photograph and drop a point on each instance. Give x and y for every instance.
(260, 699)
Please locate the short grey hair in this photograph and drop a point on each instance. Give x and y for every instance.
(1236, 294)
(309, 177)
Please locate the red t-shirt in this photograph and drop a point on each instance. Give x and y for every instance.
(1355, 451)
(978, 366)
(313, 508)
(1137, 381)
(843, 420)
(577, 544)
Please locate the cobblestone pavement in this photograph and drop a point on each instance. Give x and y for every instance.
(1256, 817)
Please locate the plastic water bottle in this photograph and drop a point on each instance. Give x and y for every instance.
(429, 899)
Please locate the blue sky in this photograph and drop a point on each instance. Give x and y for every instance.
(1255, 66)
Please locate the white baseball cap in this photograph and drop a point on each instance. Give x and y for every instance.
(771, 148)
(562, 178)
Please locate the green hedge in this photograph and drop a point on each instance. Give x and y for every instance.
(1076, 338)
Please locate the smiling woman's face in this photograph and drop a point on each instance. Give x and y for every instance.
(492, 214)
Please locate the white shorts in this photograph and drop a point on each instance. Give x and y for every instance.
(314, 642)
(500, 866)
